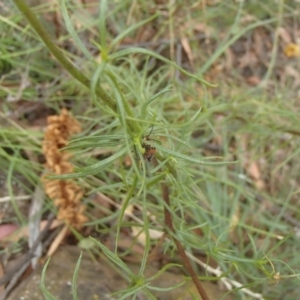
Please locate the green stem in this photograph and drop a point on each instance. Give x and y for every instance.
(40, 30)
(134, 126)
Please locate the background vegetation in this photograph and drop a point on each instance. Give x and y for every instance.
(241, 216)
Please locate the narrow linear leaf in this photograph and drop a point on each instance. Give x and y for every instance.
(95, 82)
(144, 108)
(113, 257)
(102, 26)
(189, 158)
(100, 144)
(97, 138)
(73, 32)
(172, 137)
(43, 287)
(165, 60)
(172, 126)
(132, 28)
(132, 290)
(91, 170)
(173, 287)
(163, 269)
(75, 276)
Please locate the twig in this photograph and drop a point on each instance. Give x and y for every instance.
(17, 198)
(34, 221)
(229, 283)
(27, 257)
(57, 241)
(154, 251)
(14, 280)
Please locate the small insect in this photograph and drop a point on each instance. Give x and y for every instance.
(149, 150)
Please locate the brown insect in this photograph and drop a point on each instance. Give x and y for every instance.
(149, 150)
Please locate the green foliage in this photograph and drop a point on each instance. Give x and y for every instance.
(123, 99)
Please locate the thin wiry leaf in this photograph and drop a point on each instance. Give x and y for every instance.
(73, 32)
(95, 141)
(91, 170)
(113, 257)
(96, 138)
(166, 289)
(132, 290)
(133, 50)
(172, 126)
(144, 107)
(43, 287)
(189, 158)
(163, 269)
(172, 137)
(126, 31)
(75, 276)
(98, 144)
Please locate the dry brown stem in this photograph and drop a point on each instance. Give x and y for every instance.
(187, 264)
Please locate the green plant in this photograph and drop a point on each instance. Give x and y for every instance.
(123, 111)
(133, 132)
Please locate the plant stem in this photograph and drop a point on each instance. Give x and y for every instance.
(185, 260)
